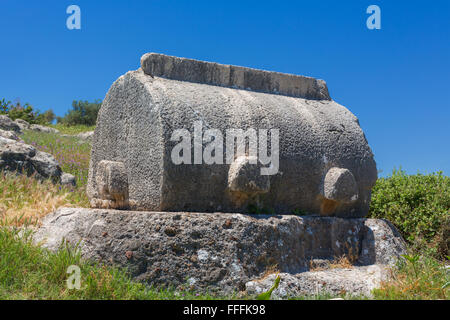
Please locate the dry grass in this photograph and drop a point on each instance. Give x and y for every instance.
(426, 278)
(26, 199)
(345, 261)
(342, 262)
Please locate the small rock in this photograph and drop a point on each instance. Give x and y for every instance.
(358, 281)
(46, 165)
(86, 136)
(12, 150)
(23, 158)
(39, 128)
(227, 224)
(170, 231)
(319, 264)
(68, 180)
(24, 125)
(8, 134)
(7, 124)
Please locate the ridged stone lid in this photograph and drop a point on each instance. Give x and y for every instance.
(160, 65)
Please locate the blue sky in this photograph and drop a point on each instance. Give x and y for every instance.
(395, 80)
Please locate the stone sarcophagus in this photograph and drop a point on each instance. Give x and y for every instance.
(186, 135)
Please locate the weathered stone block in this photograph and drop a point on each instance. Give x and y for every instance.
(223, 252)
(8, 125)
(23, 158)
(303, 132)
(112, 182)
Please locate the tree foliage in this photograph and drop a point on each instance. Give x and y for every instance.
(26, 112)
(82, 112)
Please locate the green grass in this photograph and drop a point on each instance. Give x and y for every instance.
(28, 271)
(418, 277)
(72, 130)
(71, 153)
(26, 197)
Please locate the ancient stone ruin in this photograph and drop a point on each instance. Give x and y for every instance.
(319, 159)
(186, 149)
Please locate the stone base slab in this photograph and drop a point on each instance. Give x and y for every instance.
(224, 252)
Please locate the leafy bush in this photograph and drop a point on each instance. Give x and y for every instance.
(418, 205)
(47, 117)
(26, 112)
(82, 113)
(4, 106)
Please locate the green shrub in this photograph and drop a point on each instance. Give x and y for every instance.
(46, 118)
(418, 205)
(83, 112)
(26, 112)
(4, 106)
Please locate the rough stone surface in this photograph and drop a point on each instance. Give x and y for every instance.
(7, 124)
(113, 184)
(8, 134)
(358, 281)
(24, 125)
(46, 165)
(15, 156)
(144, 107)
(183, 69)
(85, 136)
(20, 157)
(224, 251)
(68, 179)
(340, 185)
(40, 128)
(245, 178)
